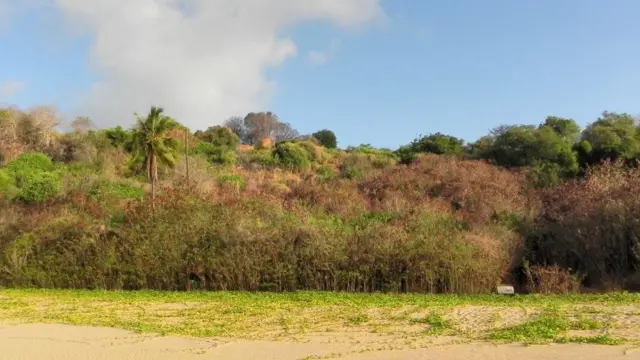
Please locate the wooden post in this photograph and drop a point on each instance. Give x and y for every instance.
(186, 154)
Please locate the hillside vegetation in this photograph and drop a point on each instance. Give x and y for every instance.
(253, 205)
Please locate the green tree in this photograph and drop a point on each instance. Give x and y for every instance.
(612, 136)
(119, 137)
(327, 138)
(438, 143)
(543, 148)
(552, 148)
(218, 144)
(510, 146)
(481, 148)
(151, 142)
(220, 137)
(566, 128)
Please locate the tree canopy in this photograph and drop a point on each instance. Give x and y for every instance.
(255, 127)
(438, 143)
(612, 136)
(219, 136)
(151, 142)
(327, 138)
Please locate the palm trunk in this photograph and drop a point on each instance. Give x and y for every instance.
(153, 192)
(155, 169)
(154, 175)
(149, 167)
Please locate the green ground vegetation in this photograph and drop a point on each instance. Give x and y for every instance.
(533, 319)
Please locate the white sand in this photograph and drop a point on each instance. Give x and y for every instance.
(61, 342)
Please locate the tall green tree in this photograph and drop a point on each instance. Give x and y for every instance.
(612, 136)
(327, 138)
(567, 128)
(546, 149)
(151, 142)
(438, 143)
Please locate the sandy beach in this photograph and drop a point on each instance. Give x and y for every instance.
(63, 342)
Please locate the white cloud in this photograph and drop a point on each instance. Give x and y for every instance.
(10, 88)
(318, 57)
(202, 60)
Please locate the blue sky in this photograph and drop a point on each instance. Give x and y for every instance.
(459, 67)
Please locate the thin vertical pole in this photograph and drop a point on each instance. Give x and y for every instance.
(186, 154)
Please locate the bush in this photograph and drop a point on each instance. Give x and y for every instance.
(591, 226)
(203, 148)
(476, 191)
(292, 156)
(545, 175)
(367, 157)
(234, 180)
(351, 171)
(225, 158)
(29, 163)
(551, 280)
(406, 155)
(325, 173)
(260, 157)
(220, 137)
(39, 187)
(7, 185)
(327, 138)
(357, 165)
(5, 180)
(370, 150)
(314, 153)
(30, 178)
(246, 244)
(438, 143)
(119, 190)
(118, 137)
(220, 155)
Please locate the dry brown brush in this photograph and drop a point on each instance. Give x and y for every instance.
(591, 227)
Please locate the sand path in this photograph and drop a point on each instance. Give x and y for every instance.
(61, 342)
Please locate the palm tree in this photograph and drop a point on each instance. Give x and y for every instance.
(151, 143)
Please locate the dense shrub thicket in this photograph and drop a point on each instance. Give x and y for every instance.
(548, 208)
(244, 244)
(592, 227)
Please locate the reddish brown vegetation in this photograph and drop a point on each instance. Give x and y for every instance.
(592, 227)
(474, 190)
